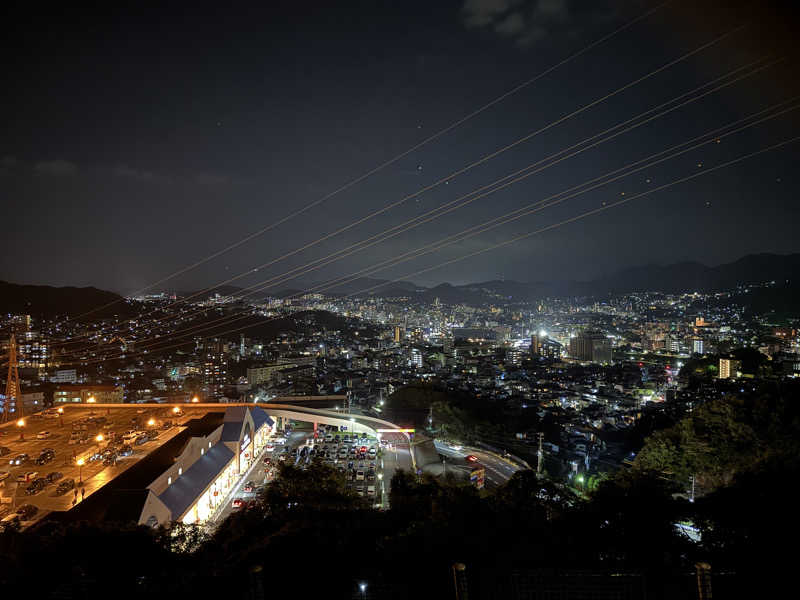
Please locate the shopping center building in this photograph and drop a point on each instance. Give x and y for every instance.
(207, 469)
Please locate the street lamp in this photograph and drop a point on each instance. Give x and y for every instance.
(195, 400)
(61, 415)
(90, 400)
(21, 424)
(80, 462)
(176, 410)
(151, 423)
(363, 588)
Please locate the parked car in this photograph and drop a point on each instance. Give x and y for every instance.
(9, 522)
(42, 435)
(142, 439)
(54, 476)
(25, 477)
(370, 490)
(471, 458)
(250, 486)
(65, 486)
(110, 460)
(27, 511)
(19, 459)
(238, 503)
(45, 457)
(125, 450)
(36, 486)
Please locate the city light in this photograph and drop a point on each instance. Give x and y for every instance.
(21, 423)
(91, 400)
(99, 437)
(195, 400)
(176, 410)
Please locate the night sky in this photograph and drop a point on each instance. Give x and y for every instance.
(136, 143)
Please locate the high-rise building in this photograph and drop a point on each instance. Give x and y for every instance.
(416, 358)
(729, 368)
(672, 343)
(698, 346)
(591, 346)
(535, 345)
(398, 334)
(447, 344)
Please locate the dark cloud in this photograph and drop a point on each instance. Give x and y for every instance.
(56, 167)
(8, 164)
(523, 21)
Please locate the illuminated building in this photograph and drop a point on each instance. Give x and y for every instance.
(203, 475)
(590, 346)
(102, 394)
(729, 368)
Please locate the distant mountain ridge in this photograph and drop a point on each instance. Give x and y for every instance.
(45, 300)
(677, 277)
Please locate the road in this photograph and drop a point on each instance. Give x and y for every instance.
(498, 470)
(255, 473)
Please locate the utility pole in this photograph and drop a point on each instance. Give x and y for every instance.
(13, 389)
(539, 456)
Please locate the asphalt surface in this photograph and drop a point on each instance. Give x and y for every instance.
(93, 474)
(498, 469)
(119, 419)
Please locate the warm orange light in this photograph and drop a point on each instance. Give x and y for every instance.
(21, 423)
(151, 422)
(91, 400)
(99, 437)
(195, 399)
(80, 462)
(176, 410)
(61, 410)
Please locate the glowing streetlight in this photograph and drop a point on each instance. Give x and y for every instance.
(151, 423)
(176, 410)
(21, 424)
(363, 588)
(99, 437)
(80, 462)
(90, 400)
(60, 412)
(195, 400)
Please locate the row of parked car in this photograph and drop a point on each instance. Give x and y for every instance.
(45, 456)
(23, 513)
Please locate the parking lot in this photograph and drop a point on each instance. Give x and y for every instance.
(53, 460)
(358, 458)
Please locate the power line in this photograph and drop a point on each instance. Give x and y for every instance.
(458, 172)
(583, 215)
(439, 211)
(393, 160)
(515, 238)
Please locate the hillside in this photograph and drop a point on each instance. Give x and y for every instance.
(48, 301)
